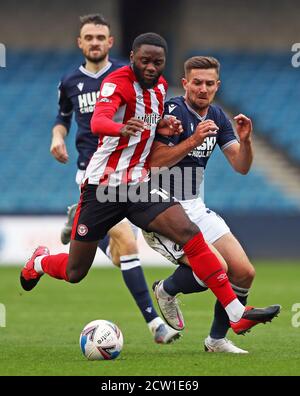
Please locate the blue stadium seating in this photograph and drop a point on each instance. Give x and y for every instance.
(266, 87)
(33, 182)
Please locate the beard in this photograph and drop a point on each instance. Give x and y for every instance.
(141, 80)
(97, 59)
(199, 107)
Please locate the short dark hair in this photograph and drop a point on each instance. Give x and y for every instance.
(201, 62)
(96, 19)
(151, 39)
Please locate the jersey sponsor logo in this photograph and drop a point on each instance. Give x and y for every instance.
(172, 107)
(82, 230)
(108, 89)
(205, 149)
(151, 119)
(87, 101)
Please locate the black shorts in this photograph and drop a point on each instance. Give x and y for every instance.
(93, 218)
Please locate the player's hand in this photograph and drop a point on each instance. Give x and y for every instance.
(243, 127)
(58, 149)
(204, 129)
(169, 126)
(133, 127)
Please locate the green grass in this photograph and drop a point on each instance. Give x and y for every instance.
(43, 327)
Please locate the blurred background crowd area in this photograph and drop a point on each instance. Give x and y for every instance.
(252, 40)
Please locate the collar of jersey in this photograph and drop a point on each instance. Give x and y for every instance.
(194, 112)
(95, 75)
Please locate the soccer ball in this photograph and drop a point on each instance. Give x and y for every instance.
(101, 340)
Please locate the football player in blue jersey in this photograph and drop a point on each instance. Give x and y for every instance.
(192, 150)
(78, 92)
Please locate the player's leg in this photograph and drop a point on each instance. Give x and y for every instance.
(215, 232)
(123, 252)
(122, 242)
(170, 220)
(71, 267)
(241, 274)
(214, 229)
(240, 269)
(182, 280)
(92, 221)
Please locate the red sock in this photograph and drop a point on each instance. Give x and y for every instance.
(208, 268)
(56, 265)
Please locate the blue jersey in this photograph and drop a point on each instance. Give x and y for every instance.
(78, 93)
(197, 159)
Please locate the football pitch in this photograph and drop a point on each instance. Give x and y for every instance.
(43, 326)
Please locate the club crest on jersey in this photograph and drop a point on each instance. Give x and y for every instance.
(80, 86)
(172, 107)
(82, 229)
(108, 89)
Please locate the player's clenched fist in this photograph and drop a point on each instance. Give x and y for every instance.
(204, 129)
(169, 126)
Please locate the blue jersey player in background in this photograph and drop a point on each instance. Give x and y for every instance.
(78, 92)
(205, 126)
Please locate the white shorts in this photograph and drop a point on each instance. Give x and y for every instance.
(79, 177)
(210, 223)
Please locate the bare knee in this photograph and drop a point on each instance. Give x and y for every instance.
(124, 244)
(244, 277)
(187, 232)
(75, 276)
(123, 240)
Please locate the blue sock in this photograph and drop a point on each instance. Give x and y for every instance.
(103, 243)
(221, 324)
(134, 279)
(182, 281)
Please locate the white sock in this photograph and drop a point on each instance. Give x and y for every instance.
(153, 325)
(235, 310)
(129, 261)
(213, 340)
(38, 264)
